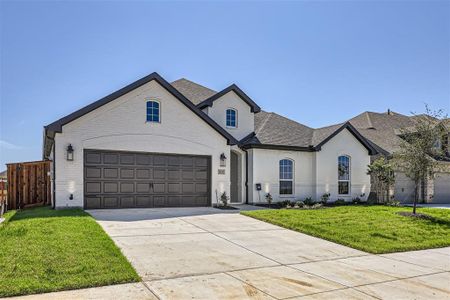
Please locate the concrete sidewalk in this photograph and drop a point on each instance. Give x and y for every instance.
(204, 253)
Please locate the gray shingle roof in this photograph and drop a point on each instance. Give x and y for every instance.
(270, 128)
(382, 128)
(196, 93)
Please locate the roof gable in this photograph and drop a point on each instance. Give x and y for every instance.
(57, 125)
(209, 102)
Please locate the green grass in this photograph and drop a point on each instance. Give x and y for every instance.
(374, 229)
(44, 250)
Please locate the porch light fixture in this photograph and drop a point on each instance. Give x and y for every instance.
(223, 160)
(70, 152)
(71, 197)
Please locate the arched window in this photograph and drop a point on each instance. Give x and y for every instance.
(153, 111)
(343, 175)
(231, 118)
(286, 177)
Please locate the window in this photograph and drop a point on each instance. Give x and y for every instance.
(286, 177)
(231, 118)
(343, 175)
(153, 111)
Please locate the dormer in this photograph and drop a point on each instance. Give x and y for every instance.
(233, 110)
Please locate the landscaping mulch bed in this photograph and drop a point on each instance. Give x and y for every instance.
(416, 215)
(226, 207)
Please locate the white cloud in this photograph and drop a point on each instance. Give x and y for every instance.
(9, 146)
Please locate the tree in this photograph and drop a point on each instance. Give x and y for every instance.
(420, 147)
(382, 173)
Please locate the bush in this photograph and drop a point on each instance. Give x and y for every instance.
(356, 200)
(325, 197)
(340, 202)
(393, 203)
(285, 203)
(309, 201)
(300, 204)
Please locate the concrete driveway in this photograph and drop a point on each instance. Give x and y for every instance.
(204, 253)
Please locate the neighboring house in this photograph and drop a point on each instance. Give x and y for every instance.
(383, 131)
(158, 144)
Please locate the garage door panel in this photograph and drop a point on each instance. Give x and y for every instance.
(93, 202)
(159, 174)
(159, 160)
(110, 187)
(126, 173)
(174, 174)
(159, 188)
(110, 159)
(92, 172)
(127, 159)
(127, 187)
(143, 159)
(93, 187)
(127, 202)
(111, 202)
(144, 201)
(143, 187)
(174, 188)
(144, 174)
(115, 179)
(111, 173)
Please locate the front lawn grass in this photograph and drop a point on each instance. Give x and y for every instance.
(44, 250)
(374, 229)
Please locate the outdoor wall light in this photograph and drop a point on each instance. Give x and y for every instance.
(70, 152)
(71, 197)
(223, 160)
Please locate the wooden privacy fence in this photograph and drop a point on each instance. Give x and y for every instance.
(29, 184)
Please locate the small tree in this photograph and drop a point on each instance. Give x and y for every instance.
(382, 173)
(420, 147)
(269, 199)
(224, 199)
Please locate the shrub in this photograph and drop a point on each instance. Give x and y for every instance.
(300, 203)
(285, 203)
(224, 198)
(340, 202)
(269, 198)
(308, 201)
(325, 197)
(356, 200)
(392, 203)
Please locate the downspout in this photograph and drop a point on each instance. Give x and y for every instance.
(246, 176)
(54, 175)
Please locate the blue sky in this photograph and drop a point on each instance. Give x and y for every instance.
(318, 62)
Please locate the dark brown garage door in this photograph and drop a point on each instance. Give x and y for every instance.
(115, 179)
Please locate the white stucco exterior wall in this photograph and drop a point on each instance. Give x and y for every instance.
(121, 125)
(245, 119)
(344, 143)
(265, 170)
(316, 173)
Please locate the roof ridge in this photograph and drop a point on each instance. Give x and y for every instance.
(265, 122)
(193, 82)
(369, 121)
